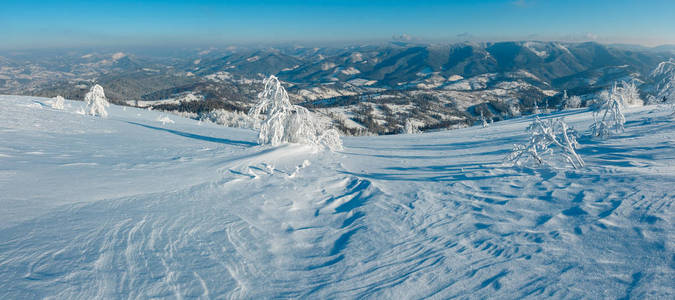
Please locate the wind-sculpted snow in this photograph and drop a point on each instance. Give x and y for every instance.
(183, 210)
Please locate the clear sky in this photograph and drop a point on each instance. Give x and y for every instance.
(68, 23)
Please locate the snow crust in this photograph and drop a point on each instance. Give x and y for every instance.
(128, 207)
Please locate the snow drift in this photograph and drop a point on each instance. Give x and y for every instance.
(128, 207)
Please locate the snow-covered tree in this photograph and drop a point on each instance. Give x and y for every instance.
(628, 93)
(664, 77)
(287, 123)
(573, 102)
(58, 102)
(550, 142)
(410, 127)
(607, 113)
(570, 102)
(96, 102)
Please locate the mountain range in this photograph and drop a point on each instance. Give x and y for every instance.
(437, 84)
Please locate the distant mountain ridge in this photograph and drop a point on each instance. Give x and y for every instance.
(440, 83)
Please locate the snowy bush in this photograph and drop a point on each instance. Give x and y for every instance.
(664, 79)
(164, 120)
(573, 102)
(607, 113)
(96, 102)
(229, 118)
(550, 142)
(570, 102)
(628, 93)
(58, 102)
(410, 128)
(284, 122)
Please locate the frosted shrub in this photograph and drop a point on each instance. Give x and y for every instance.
(628, 93)
(229, 118)
(550, 142)
(607, 114)
(571, 102)
(96, 102)
(164, 120)
(58, 102)
(410, 128)
(284, 122)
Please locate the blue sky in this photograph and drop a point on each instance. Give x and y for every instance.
(44, 24)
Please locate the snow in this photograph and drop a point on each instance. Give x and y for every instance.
(455, 77)
(126, 207)
(531, 46)
(327, 66)
(118, 55)
(361, 82)
(350, 71)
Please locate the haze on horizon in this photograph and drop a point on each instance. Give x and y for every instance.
(59, 24)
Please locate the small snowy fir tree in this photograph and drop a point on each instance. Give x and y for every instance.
(287, 123)
(96, 102)
(607, 114)
(58, 102)
(536, 110)
(551, 142)
(410, 127)
(564, 99)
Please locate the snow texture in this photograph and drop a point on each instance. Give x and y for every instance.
(125, 207)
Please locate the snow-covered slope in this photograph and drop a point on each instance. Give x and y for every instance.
(133, 206)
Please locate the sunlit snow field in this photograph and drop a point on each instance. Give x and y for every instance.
(135, 206)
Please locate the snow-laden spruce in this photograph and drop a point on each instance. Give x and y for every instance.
(551, 142)
(287, 123)
(58, 102)
(607, 111)
(96, 102)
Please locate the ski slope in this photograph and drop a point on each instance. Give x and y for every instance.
(135, 206)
